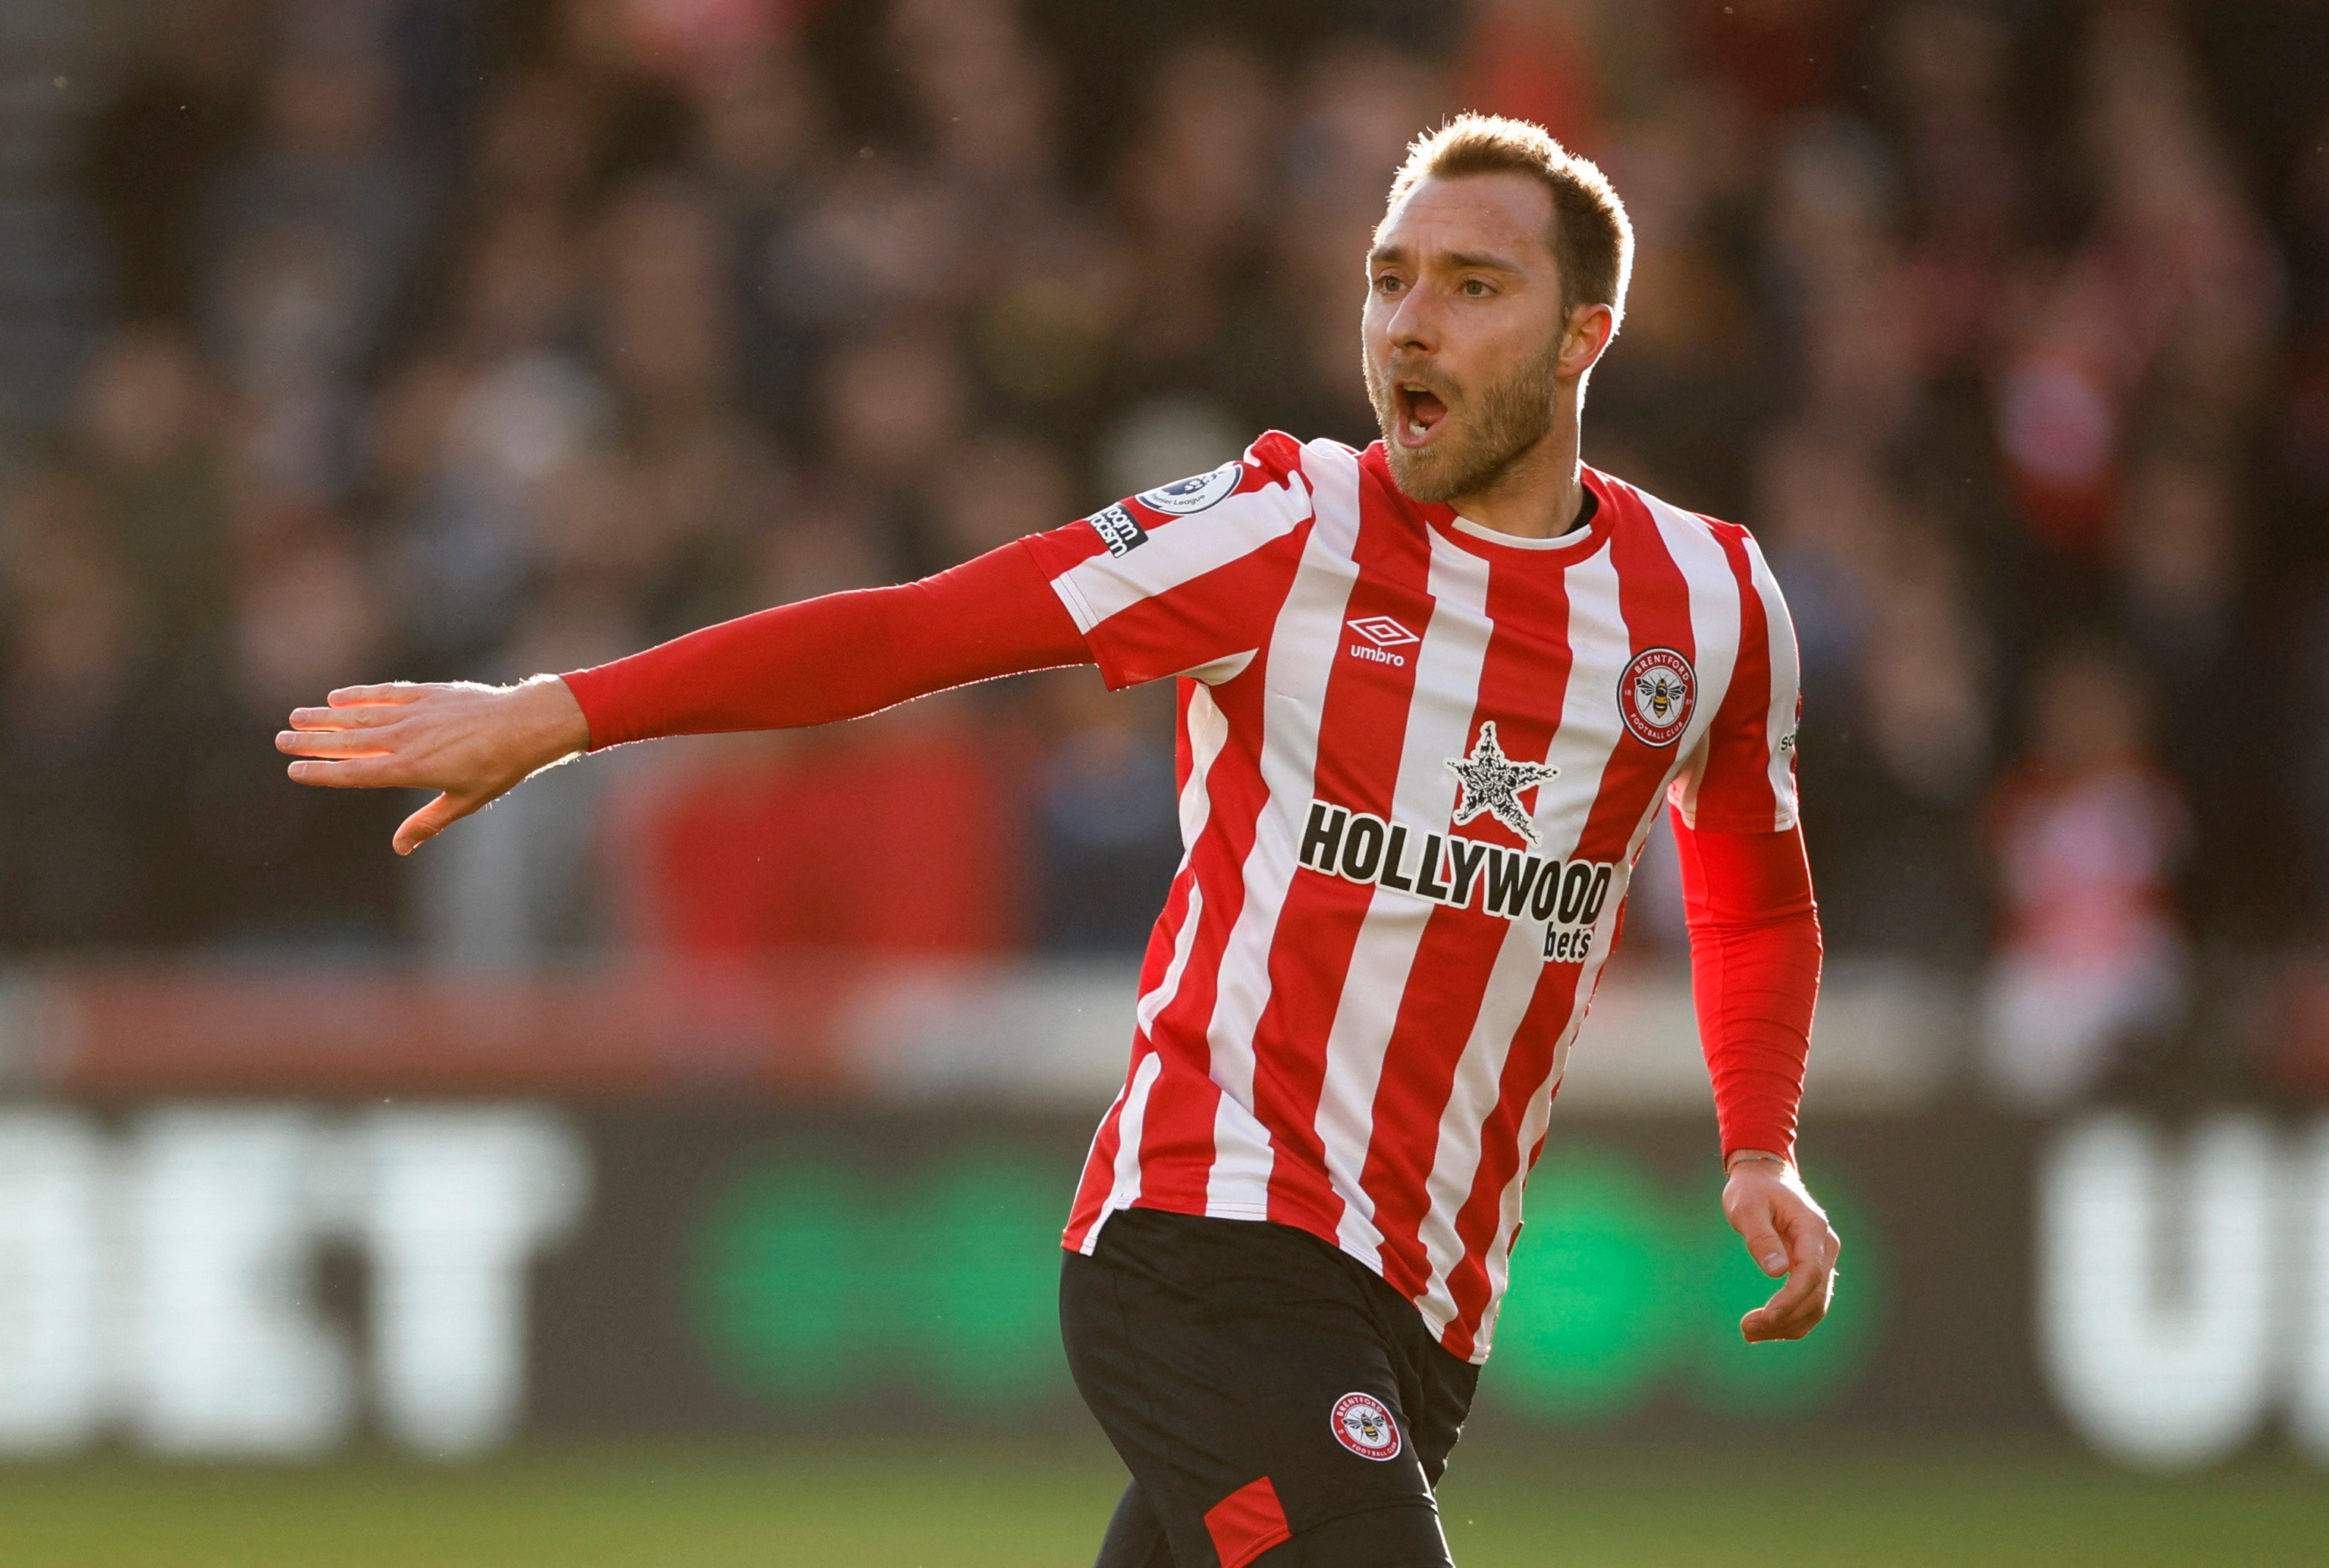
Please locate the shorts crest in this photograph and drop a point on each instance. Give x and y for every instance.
(1363, 1426)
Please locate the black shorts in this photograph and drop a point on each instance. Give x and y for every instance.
(1275, 1400)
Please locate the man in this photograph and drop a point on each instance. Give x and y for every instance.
(1431, 695)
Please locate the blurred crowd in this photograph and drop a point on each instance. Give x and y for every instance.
(470, 340)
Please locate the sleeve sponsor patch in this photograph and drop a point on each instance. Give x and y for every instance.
(1118, 528)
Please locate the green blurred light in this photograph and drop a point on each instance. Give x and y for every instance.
(816, 1282)
(1591, 1309)
(1616, 1289)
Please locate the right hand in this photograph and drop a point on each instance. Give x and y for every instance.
(471, 742)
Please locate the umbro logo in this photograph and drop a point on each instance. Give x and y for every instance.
(1381, 634)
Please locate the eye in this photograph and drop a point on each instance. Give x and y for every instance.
(1476, 287)
(1389, 283)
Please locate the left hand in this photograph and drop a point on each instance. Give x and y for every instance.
(1787, 1234)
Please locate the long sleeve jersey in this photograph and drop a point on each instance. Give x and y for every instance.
(1417, 762)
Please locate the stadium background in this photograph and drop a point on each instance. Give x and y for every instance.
(667, 1166)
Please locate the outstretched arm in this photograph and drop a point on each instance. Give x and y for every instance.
(1755, 962)
(842, 656)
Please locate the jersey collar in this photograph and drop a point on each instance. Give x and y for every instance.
(1502, 549)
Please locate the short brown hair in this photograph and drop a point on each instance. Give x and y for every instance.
(1592, 238)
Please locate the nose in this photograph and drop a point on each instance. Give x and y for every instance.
(1413, 326)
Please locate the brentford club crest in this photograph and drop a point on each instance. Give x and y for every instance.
(1363, 1426)
(1655, 696)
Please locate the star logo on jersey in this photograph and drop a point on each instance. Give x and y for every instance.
(1489, 781)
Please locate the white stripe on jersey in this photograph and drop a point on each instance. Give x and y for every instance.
(1714, 613)
(1787, 674)
(1448, 664)
(1303, 642)
(1209, 731)
(1128, 1145)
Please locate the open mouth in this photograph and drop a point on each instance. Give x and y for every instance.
(1421, 411)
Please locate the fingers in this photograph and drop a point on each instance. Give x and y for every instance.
(1794, 1311)
(374, 771)
(393, 693)
(1763, 1243)
(432, 820)
(1797, 1307)
(331, 743)
(371, 716)
(364, 706)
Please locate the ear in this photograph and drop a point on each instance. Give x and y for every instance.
(1587, 333)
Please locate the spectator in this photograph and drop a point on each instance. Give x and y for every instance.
(1108, 834)
(892, 836)
(2088, 835)
(147, 427)
(307, 241)
(78, 860)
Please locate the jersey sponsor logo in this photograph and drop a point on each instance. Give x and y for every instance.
(1196, 493)
(1382, 635)
(1118, 528)
(1449, 869)
(1363, 1426)
(1655, 696)
(1489, 781)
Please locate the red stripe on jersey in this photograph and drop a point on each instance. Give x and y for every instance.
(1527, 654)
(1361, 730)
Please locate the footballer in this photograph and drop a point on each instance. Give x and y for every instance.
(1432, 696)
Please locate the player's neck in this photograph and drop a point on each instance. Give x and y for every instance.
(1540, 494)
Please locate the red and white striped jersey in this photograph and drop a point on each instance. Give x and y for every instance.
(1418, 761)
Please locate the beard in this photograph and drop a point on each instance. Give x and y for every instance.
(1508, 418)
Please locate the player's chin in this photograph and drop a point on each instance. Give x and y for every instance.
(1422, 470)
